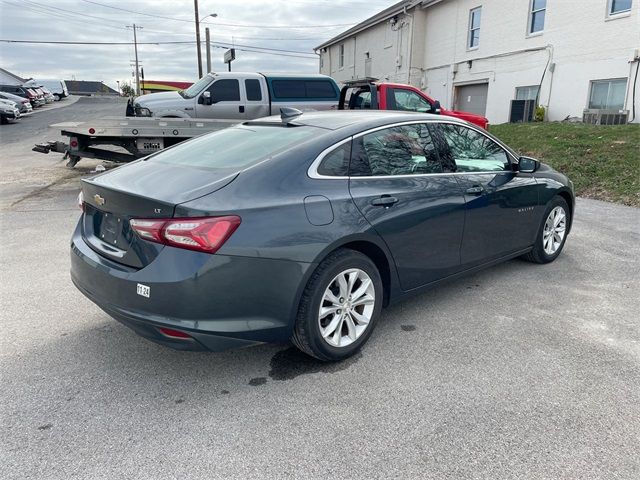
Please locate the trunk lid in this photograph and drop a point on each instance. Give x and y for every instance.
(140, 190)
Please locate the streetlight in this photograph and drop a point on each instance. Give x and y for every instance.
(208, 42)
(198, 20)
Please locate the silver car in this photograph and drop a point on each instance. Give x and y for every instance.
(8, 111)
(24, 105)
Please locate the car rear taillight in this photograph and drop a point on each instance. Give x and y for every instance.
(203, 234)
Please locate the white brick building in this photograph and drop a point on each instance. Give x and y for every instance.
(478, 55)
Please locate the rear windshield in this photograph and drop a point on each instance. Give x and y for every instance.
(235, 147)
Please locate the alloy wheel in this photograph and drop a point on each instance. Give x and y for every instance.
(554, 230)
(346, 307)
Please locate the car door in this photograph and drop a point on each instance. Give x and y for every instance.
(398, 183)
(501, 203)
(226, 98)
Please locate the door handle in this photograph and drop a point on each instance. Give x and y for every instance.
(475, 190)
(241, 108)
(384, 201)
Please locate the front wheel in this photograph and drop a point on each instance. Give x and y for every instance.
(552, 233)
(339, 307)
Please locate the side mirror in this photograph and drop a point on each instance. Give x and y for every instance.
(527, 164)
(206, 98)
(437, 108)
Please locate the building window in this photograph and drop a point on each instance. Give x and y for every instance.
(527, 93)
(536, 16)
(619, 6)
(341, 56)
(474, 27)
(608, 94)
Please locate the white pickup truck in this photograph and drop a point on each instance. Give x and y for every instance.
(241, 96)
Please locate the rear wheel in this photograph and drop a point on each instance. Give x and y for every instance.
(552, 233)
(339, 307)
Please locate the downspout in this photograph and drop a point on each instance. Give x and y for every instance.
(410, 44)
(354, 56)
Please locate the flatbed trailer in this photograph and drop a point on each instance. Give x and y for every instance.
(138, 136)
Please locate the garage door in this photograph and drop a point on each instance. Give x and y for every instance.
(472, 98)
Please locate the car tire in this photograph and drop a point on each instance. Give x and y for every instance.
(352, 323)
(56, 97)
(554, 228)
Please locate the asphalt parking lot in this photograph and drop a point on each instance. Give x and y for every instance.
(522, 371)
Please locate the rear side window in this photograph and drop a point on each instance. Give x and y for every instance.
(253, 90)
(470, 150)
(403, 150)
(303, 89)
(336, 162)
(225, 91)
(235, 147)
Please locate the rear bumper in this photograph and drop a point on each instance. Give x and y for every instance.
(220, 301)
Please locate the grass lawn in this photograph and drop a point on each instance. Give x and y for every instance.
(603, 161)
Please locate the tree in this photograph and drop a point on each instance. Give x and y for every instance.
(127, 90)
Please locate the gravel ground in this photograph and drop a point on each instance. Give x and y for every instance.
(520, 371)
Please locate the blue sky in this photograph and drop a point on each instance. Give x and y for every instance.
(292, 25)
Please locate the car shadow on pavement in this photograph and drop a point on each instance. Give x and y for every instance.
(107, 356)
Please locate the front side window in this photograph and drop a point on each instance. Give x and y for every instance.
(608, 94)
(471, 151)
(619, 6)
(227, 90)
(474, 27)
(402, 150)
(536, 15)
(341, 56)
(409, 101)
(527, 93)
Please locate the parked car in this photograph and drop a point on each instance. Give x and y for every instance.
(8, 111)
(50, 97)
(237, 95)
(24, 105)
(25, 92)
(41, 93)
(373, 95)
(304, 227)
(57, 87)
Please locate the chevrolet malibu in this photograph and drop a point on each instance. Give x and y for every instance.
(305, 226)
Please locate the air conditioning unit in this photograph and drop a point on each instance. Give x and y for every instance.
(522, 111)
(596, 116)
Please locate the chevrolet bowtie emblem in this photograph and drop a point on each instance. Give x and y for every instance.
(98, 199)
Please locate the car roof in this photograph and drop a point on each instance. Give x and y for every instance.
(355, 119)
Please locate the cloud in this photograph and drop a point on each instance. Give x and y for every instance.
(83, 21)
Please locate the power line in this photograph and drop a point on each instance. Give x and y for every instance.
(217, 23)
(246, 48)
(177, 42)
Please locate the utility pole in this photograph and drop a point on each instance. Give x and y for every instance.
(195, 6)
(135, 46)
(208, 38)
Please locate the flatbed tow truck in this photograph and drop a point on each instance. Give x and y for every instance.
(136, 137)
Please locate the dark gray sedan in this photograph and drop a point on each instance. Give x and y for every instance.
(305, 227)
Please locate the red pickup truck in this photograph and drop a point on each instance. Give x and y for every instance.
(371, 94)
